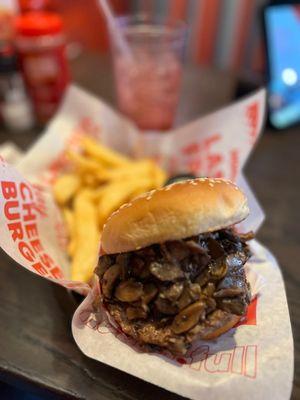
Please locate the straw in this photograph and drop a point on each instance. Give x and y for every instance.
(119, 37)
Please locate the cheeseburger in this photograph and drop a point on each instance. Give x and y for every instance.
(172, 269)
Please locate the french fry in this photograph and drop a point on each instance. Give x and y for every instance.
(118, 193)
(103, 154)
(159, 176)
(102, 181)
(111, 198)
(65, 188)
(137, 168)
(69, 219)
(87, 237)
(88, 166)
(145, 186)
(71, 247)
(90, 180)
(98, 192)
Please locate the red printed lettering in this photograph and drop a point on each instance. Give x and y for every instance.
(252, 112)
(29, 212)
(234, 164)
(213, 158)
(40, 201)
(56, 273)
(36, 245)
(31, 230)
(213, 163)
(201, 158)
(197, 356)
(9, 190)
(85, 314)
(47, 260)
(8, 207)
(26, 251)
(87, 125)
(191, 149)
(220, 362)
(251, 361)
(17, 230)
(194, 166)
(26, 192)
(211, 140)
(17, 215)
(241, 360)
(238, 360)
(38, 267)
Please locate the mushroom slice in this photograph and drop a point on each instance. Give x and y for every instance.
(165, 306)
(149, 292)
(209, 289)
(109, 279)
(188, 317)
(172, 292)
(218, 269)
(166, 271)
(105, 262)
(129, 291)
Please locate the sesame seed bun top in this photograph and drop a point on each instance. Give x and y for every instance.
(174, 212)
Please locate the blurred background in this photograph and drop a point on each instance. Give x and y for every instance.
(222, 35)
(225, 34)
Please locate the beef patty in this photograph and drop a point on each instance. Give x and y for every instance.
(169, 294)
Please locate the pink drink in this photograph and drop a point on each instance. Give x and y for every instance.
(148, 83)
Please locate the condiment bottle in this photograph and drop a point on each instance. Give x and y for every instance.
(15, 107)
(41, 47)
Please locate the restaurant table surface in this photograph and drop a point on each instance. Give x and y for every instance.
(37, 351)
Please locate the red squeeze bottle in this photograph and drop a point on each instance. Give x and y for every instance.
(41, 47)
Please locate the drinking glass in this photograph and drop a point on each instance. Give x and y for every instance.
(148, 78)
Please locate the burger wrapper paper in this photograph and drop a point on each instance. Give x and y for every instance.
(252, 360)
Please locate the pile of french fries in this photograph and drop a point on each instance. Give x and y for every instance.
(99, 182)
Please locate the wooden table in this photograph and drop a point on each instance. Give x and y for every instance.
(37, 350)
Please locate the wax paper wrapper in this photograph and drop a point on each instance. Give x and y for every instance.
(253, 360)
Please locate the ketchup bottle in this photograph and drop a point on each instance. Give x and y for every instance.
(41, 47)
